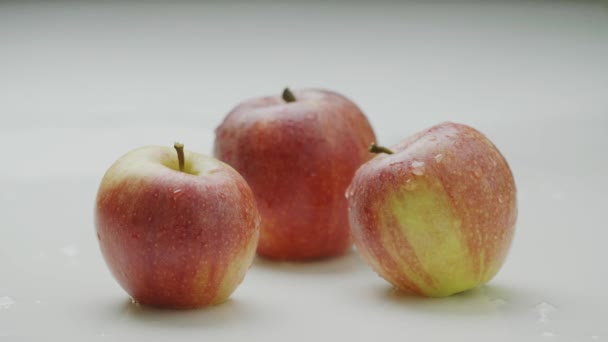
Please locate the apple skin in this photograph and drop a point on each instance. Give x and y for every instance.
(298, 157)
(176, 239)
(436, 217)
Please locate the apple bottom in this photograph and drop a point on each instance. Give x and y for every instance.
(178, 249)
(209, 282)
(417, 242)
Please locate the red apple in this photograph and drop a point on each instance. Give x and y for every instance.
(437, 216)
(298, 152)
(176, 234)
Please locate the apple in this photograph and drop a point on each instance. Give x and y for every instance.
(435, 214)
(176, 231)
(298, 151)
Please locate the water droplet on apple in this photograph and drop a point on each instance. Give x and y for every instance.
(477, 173)
(500, 200)
(544, 309)
(418, 167)
(349, 193)
(409, 185)
(438, 158)
(6, 302)
(177, 191)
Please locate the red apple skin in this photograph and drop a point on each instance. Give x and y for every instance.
(298, 158)
(173, 239)
(436, 217)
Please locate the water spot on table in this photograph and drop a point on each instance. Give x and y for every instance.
(6, 302)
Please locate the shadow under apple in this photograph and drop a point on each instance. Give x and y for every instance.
(485, 300)
(233, 311)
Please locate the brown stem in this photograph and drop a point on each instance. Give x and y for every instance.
(373, 148)
(288, 95)
(179, 147)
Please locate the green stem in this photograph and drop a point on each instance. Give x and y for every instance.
(179, 147)
(288, 95)
(373, 148)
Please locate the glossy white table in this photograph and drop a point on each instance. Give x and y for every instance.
(80, 84)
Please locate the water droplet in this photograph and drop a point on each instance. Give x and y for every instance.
(418, 167)
(438, 158)
(70, 250)
(500, 200)
(177, 191)
(149, 218)
(6, 302)
(477, 173)
(499, 302)
(544, 309)
(547, 334)
(409, 185)
(558, 195)
(349, 193)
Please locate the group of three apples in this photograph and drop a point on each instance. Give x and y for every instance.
(434, 215)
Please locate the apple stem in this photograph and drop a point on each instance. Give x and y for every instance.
(179, 147)
(288, 95)
(373, 148)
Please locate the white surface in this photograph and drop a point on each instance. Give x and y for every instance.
(80, 84)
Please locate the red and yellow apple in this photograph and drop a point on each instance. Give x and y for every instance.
(176, 230)
(298, 152)
(435, 214)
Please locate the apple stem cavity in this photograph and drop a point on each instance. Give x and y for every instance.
(288, 96)
(373, 148)
(179, 147)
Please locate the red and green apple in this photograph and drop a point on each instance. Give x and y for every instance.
(435, 214)
(177, 230)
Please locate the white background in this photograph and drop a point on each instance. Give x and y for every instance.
(83, 83)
